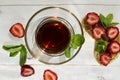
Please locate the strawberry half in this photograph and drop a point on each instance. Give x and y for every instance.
(98, 31)
(17, 30)
(114, 47)
(27, 70)
(50, 75)
(92, 18)
(105, 59)
(112, 32)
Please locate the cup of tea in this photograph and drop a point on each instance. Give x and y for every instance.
(53, 35)
(48, 34)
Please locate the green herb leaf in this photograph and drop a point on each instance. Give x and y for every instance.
(67, 52)
(107, 21)
(102, 18)
(104, 25)
(13, 54)
(15, 49)
(7, 47)
(109, 18)
(113, 24)
(74, 46)
(101, 46)
(77, 40)
(23, 55)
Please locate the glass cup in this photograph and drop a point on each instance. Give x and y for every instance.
(53, 35)
(38, 22)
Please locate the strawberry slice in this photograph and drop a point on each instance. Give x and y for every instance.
(105, 59)
(92, 18)
(17, 30)
(98, 31)
(114, 47)
(27, 70)
(50, 75)
(112, 32)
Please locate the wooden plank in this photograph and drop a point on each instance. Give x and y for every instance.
(46, 2)
(63, 72)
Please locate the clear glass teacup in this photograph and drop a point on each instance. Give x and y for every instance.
(48, 34)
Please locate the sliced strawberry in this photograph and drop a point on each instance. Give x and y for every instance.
(105, 59)
(50, 75)
(114, 47)
(17, 30)
(27, 70)
(112, 32)
(98, 31)
(92, 18)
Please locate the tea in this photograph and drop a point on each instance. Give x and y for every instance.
(53, 36)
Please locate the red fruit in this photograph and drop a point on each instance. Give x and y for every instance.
(27, 70)
(98, 31)
(50, 75)
(17, 30)
(112, 32)
(92, 18)
(105, 59)
(114, 47)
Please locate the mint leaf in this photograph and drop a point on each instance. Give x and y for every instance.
(77, 40)
(107, 21)
(14, 50)
(109, 18)
(67, 52)
(101, 46)
(74, 46)
(102, 18)
(113, 24)
(13, 54)
(7, 47)
(23, 56)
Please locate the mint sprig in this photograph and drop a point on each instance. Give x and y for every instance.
(76, 41)
(101, 46)
(107, 21)
(14, 50)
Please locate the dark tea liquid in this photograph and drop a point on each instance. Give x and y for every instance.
(53, 36)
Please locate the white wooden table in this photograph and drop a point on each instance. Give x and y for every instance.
(83, 66)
